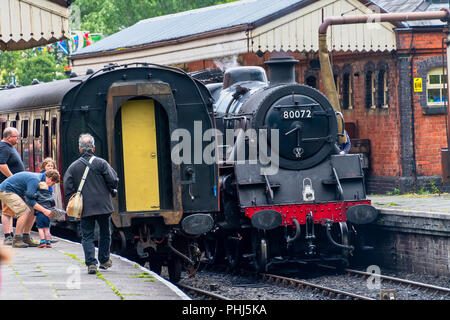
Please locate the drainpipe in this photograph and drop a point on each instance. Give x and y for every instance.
(325, 65)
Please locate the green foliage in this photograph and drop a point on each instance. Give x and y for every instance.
(111, 16)
(24, 66)
(96, 16)
(8, 66)
(42, 67)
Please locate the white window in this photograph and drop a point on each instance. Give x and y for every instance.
(382, 89)
(436, 87)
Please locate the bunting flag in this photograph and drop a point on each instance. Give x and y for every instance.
(81, 39)
(87, 39)
(63, 47)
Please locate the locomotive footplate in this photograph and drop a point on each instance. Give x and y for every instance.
(321, 212)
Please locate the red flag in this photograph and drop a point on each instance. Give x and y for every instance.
(88, 40)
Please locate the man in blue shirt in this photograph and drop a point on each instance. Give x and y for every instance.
(345, 147)
(23, 185)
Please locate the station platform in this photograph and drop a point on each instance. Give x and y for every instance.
(59, 273)
(412, 233)
(413, 203)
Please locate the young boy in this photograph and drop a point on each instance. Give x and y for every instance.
(45, 198)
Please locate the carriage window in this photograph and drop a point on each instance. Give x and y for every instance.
(13, 124)
(3, 128)
(24, 129)
(37, 128)
(54, 123)
(347, 91)
(436, 91)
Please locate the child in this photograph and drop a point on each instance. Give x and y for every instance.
(45, 198)
(48, 164)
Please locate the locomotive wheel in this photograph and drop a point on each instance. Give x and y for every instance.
(211, 250)
(344, 239)
(261, 256)
(232, 251)
(260, 251)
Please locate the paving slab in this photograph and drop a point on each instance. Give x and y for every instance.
(413, 203)
(59, 273)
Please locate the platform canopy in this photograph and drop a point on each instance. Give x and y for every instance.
(30, 23)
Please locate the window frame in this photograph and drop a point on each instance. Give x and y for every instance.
(442, 86)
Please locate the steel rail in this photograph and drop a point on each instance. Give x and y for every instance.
(315, 286)
(440, 290)
(202, 292)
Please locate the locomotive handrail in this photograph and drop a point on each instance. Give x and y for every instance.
(297, 105)
(339, 187)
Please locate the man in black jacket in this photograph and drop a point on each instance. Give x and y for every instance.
(97, 204)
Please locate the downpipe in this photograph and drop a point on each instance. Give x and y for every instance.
(327, 225)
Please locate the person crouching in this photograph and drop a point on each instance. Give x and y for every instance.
(18, 192)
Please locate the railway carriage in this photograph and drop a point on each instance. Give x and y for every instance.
(132, 111)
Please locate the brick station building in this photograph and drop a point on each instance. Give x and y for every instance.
(390, 77)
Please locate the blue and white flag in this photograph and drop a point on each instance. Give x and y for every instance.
(63, 46)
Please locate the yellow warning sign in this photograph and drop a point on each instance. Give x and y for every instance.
(417, 84)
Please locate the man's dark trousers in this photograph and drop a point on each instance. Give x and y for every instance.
(104, 241)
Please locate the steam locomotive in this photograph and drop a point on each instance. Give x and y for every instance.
(298, 199)
(276, 190)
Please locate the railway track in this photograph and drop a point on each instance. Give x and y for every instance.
(301, 284)
(350, 285)
(403, 282)
(200, 293)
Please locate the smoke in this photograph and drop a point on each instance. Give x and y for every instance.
(226, 62)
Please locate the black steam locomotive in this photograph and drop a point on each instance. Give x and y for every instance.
(187, 194)
(298, 199)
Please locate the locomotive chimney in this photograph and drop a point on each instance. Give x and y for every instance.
(281, 70)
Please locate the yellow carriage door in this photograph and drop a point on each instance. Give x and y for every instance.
(140, 155)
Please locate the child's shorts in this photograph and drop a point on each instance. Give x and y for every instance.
(42, 221)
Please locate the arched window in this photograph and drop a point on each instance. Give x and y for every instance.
(382, 86)
(369, 85)
(347, 87)
(370, 89)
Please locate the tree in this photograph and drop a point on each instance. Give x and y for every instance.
(8, 66)
(39, 66)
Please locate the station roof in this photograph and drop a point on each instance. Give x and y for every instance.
(231, 17)
(239, 27)
(194, 22)
(414, 6)
(30, 23)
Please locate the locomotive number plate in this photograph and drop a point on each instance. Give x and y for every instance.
(292, 114)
